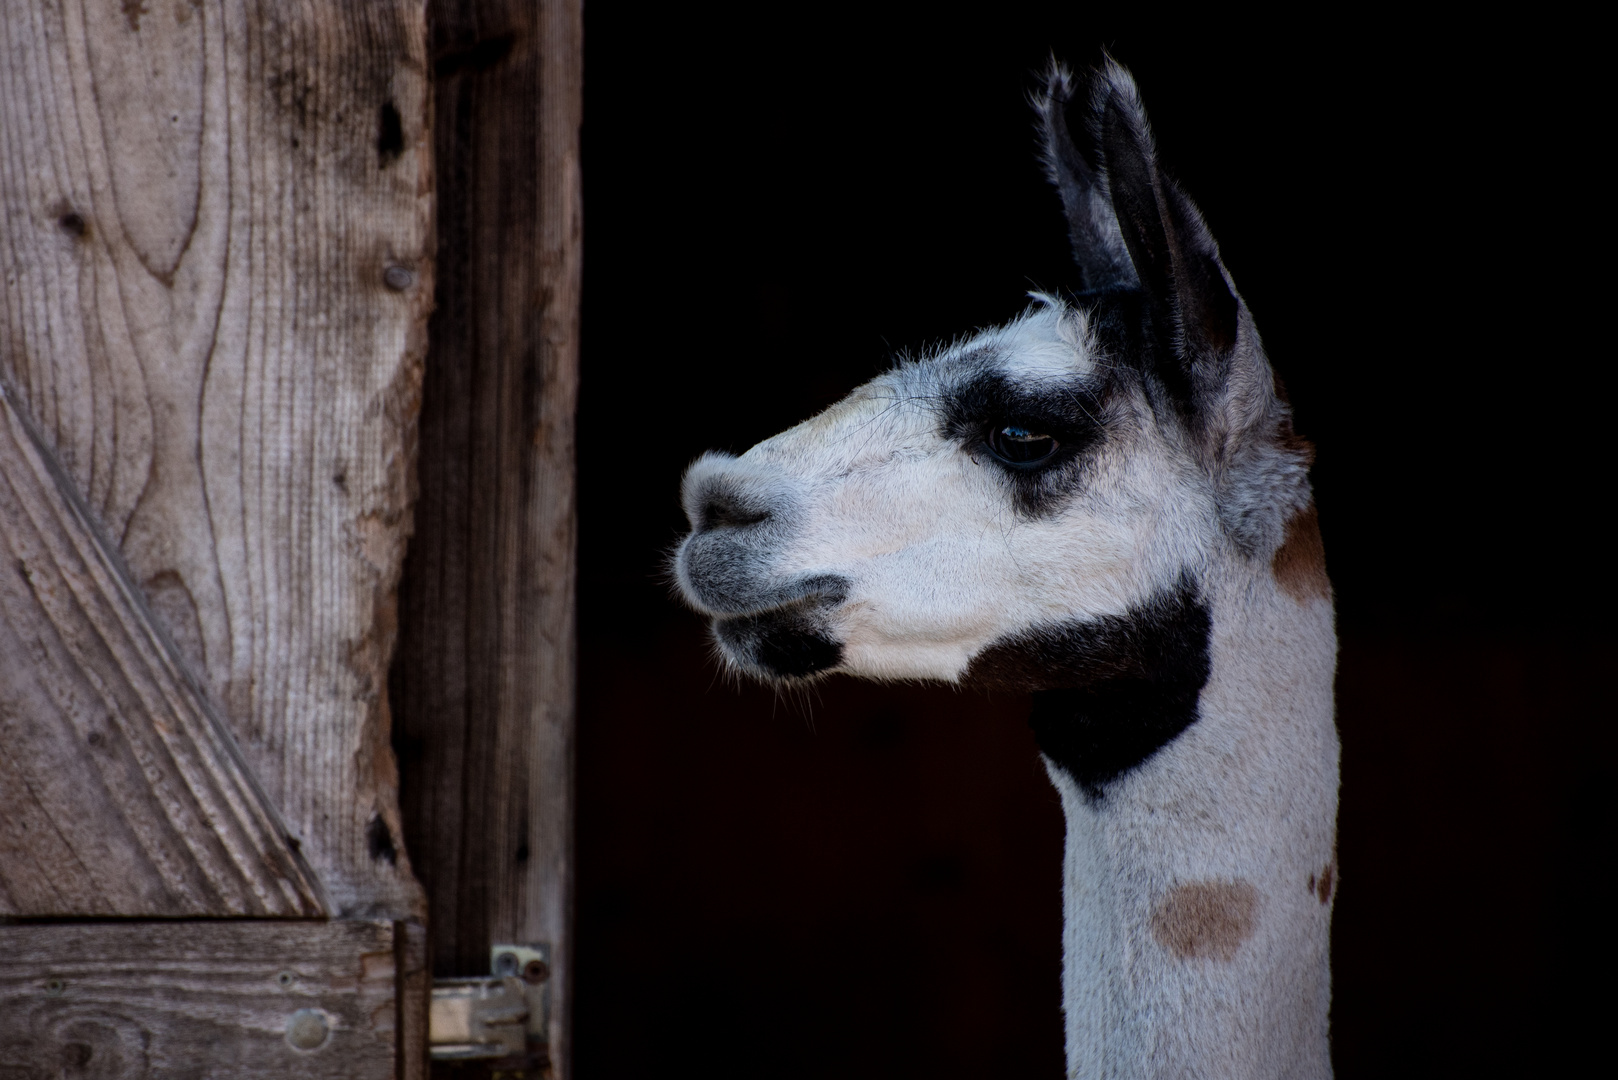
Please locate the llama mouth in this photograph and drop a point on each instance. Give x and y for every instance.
(782, 644)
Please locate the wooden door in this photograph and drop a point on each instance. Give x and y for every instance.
(216, 269)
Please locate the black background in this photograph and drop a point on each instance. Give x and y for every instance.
(865, 881)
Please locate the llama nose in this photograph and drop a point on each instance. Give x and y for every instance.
(722, 506)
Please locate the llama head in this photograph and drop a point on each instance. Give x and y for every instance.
(1086, 465)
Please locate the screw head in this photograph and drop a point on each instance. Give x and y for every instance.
(54, 987)
(398, 278)
(505, 963)
(285, 979)
(537, 971)
(307, 1029)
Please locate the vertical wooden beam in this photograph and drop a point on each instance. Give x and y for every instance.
(483, 683)
(414, 988)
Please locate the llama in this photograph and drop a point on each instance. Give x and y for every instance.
(1101, 502)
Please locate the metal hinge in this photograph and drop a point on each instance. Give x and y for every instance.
(500, 1015)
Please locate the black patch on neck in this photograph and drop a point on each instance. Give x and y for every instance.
(1109, 692)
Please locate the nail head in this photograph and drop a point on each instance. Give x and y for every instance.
(307, 1029)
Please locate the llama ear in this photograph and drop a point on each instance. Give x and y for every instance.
(1071, 155)
(1172, 251)
(1244, 428)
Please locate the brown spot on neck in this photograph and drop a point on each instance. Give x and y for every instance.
(1206, 918)
(1299, 563)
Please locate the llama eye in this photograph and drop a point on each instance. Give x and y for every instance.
(1020, 446)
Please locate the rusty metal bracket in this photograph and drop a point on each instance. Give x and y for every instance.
(500, 1015)
(532, 964)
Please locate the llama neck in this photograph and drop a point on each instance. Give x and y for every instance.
(1198, 885)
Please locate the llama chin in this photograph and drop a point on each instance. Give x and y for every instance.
(1101, 503)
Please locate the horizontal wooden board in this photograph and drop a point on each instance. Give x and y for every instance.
(195, 1000)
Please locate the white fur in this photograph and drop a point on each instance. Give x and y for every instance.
(941, 565)
(1248, 793)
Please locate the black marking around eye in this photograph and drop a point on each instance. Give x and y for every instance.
(1068, 412)
(1109, 692)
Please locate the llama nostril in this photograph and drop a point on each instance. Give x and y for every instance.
(721, 509)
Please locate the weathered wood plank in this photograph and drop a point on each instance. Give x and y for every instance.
(121, 792)
(484, 679)
(215, 239)
(415, 990)
(189, 1001)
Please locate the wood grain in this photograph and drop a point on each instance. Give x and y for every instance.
(484, 679)
(415, 990)
(189, 1001)
(215, 230)
(121, 792)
